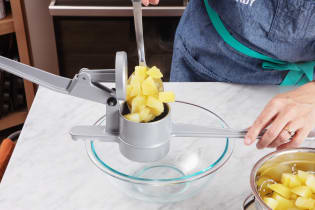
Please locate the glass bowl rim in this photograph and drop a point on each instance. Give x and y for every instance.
(216, 165)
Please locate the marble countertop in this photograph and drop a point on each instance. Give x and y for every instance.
(50, 171)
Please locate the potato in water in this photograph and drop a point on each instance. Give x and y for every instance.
(145, 94)
(293, 191)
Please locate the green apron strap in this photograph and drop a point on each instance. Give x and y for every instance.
(298, 74)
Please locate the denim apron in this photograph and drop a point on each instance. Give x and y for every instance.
(280, 29)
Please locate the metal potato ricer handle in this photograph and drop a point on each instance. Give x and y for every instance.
(188, 130)
(86, 84)
(137, 13)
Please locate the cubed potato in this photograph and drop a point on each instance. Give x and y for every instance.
(138, 103)
(290, 180)
(143, 95)
(302, 176)
(167, 97)
(282, 202)
(159, 84)
(132, 79)
(148, 87)
(302, 191)
(270, 202)
(295, 192)
(133, 117)
(280, 189)
(155, 73)
(128, 93)
(310, 182)
(146, 115)
(293, 196)
(141, 73)
(305, 203)
(135, 86)
(156, 106)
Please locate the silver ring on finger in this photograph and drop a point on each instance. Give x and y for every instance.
(290, 132)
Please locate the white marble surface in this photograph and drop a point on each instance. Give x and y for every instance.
(50, 171)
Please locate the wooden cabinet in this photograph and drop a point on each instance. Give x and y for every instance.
(6, 25)
(14, 23)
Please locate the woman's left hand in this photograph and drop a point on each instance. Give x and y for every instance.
(288, 117)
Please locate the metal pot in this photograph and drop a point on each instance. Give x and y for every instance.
(280, 162)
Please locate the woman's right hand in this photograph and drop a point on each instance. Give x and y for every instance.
(147, 2)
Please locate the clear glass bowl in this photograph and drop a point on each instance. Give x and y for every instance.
(185, 170)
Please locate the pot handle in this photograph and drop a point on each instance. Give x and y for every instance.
(249, 200)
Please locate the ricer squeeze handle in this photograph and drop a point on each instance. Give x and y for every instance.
(189, 130)
(86, 84)
(40, 77)
(137, 13)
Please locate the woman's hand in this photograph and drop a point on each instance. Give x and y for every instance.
(287, 116)
(147, 2)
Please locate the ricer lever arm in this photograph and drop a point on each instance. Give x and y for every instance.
(85, 84)
(35, 75)
(190, 130)
(137, 13)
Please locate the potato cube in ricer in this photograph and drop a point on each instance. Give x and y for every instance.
(146, 115)
(128, 93)
(155, 73)
(137, 104)
(159, 84)
(133, 117)
(167, 97)
(141, 73)
(135, 86)
(148, 87)
(143, 94)
(156, 105)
